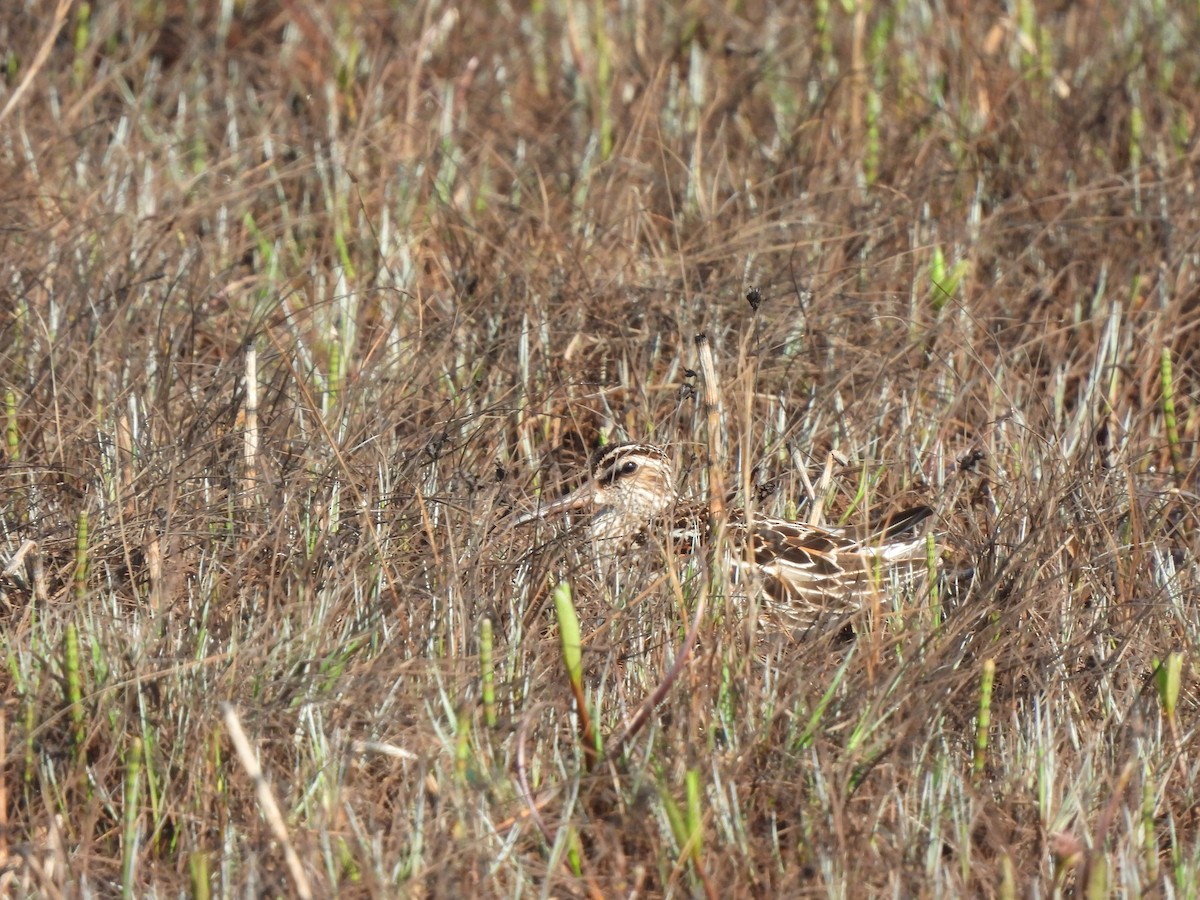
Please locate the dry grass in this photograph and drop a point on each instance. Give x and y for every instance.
(464, 248)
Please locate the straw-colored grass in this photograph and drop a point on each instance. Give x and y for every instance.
(298, 302)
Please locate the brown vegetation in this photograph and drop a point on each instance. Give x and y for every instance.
(457, 246)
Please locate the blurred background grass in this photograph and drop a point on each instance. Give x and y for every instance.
(452, 249)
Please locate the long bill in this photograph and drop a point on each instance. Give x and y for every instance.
(579, 498)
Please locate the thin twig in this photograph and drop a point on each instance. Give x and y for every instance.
(266, 800)
(617, 747)
(39, 60)
(716, 443)
(250, 439)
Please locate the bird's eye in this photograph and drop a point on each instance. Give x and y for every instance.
(629, 468)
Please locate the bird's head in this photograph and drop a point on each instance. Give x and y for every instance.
(628, 486)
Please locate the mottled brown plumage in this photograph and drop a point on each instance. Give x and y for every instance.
(804, 570)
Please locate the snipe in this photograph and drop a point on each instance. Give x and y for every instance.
(805, 571)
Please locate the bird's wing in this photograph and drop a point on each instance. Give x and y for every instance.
(828, 565)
